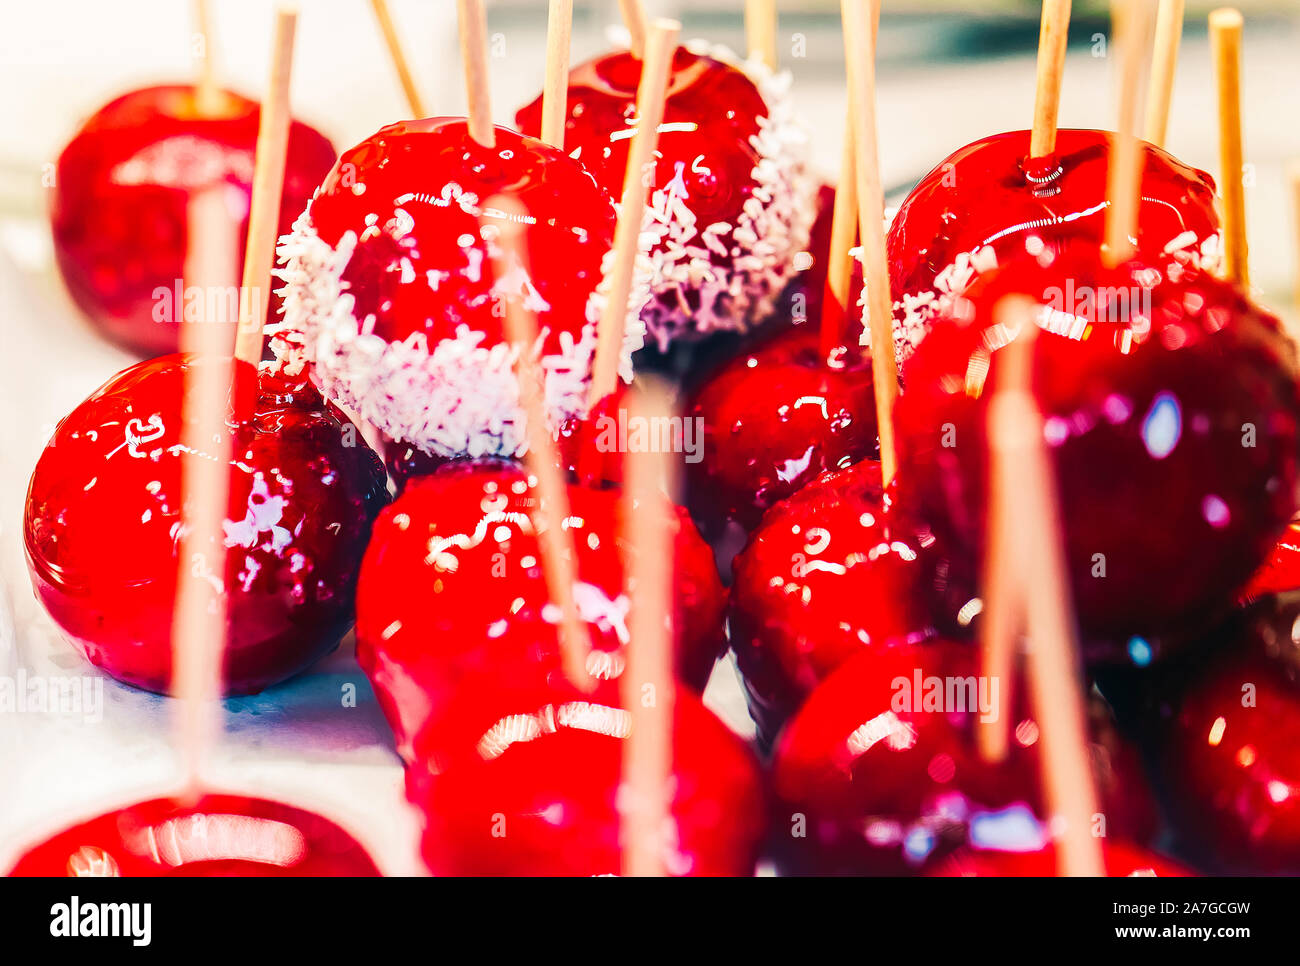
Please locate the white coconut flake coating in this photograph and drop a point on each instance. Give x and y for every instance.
(758, 251)
(457, 397)
(916, 313)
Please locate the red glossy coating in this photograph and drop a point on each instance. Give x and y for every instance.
(873, 775)
(828, 573)
(1121, 860)
(774, 419)
(543, 798)
(990, 193)
(1170, 408)
(218, 835)
(119, 201)
(412, 192)
(710, 114)
(1231, 754)
(104, 506)
(453, 601)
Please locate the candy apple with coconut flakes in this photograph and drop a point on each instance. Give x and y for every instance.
(122, 188)
(104, 507)
(989, 203)
(453, 600)
(394, 289)
(732, 202)
(1170, 406)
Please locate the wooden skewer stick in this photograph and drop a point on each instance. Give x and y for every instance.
(555, 94)
(1293, 176)
(208, 98)
(268, 186)
(1225, 47)
(646, 686)
(398, 56)
(844, 235)
(542, 460)
(1003, 616)
(860, 52)
(1131, 24)
(1053, 35)
(199, 622)
(655, 68)
(760, 31)
(1169, 34)
(1016, 435)
(635, 20)
(474, 54)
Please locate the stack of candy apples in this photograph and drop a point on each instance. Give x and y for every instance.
(1005, 526)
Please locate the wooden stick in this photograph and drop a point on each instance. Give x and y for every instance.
(1293, 176)
(474, 54)
(760, 31)
(555, 94)
(199, 621)
(398, 56)
(635, 20)
(1055, 679)
(646, 686)
(655, 69)
(208, 99)
(559, 558)
(1131, 25)
(268, 186)
(844, 235)
(1225, 48)
(1053, 35)
(1002, 619)
(1169, 34)
(860, 52)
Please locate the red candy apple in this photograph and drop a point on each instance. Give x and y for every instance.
(1170, 408)
(731, 201)
(395, 290)
(453, 599)
(773, 420)
(989, 203)
(879, 773)
(104, 508)
(119, 202)
(542, 797)
(219, 835)
(1280, 573)
(828, 573)
(1230, 756)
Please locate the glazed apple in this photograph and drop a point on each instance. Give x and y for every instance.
(878, 773)
(218, 835)
(542, 797)
(104, 507)
(452, 595)
(773, 420)
(989, 203)
(1170, 409)
(731, 201)
(122, 186)
(836, 540)
(395, 286)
